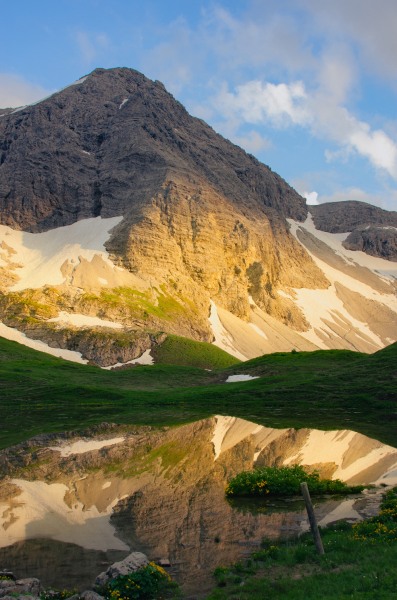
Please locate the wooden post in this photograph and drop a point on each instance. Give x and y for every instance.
(312, 518)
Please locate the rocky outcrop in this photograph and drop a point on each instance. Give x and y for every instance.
(371, 229)
(343, 217)
(108, 143)
(374, 240)
(30, 588)
(131, 563)
(10, 587)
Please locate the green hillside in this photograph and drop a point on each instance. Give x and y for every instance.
(324, 389)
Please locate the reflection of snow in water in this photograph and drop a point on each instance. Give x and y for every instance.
(82, 446)
(41, 511)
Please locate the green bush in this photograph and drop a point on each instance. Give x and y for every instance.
(149, 582)
(284, 481)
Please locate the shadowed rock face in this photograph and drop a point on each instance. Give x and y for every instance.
(372, 229)
(343, 217)
(107, 144)
(376, 241)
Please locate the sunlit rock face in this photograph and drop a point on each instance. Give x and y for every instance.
(162, 492)
(148, 222)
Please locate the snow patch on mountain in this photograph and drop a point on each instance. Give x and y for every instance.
(79, 320)
(326, 312)
(223, 339)
(83, 446)
(38, 258)
(145, 359)
(9, 333)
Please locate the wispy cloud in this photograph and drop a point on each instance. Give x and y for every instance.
(370, 26)
(91, 45)
(17, 91)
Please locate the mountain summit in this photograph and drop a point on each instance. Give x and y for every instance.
(111, 141)
(125, 219)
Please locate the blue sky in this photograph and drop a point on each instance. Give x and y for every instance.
(307, 86)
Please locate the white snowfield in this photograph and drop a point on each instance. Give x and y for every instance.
(236, 378)
(79, 320)
(223, 339)
(320, 305)
(336, 320)
(9, 333)
(40, 258)
(355, 456)
(145, 359)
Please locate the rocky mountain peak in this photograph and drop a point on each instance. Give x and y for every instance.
(138, 215)
(109, 142)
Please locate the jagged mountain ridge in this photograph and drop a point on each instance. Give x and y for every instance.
(194, 223)
(114, 131)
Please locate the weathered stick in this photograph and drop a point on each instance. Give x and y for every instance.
(312, 518)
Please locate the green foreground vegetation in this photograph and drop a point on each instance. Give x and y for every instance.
(334, 389)
(285, 481)
(359, 562)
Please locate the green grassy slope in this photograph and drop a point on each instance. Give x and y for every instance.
(178, 350)
(323, 389)
(294, 571)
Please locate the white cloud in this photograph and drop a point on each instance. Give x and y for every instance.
(284, 105)
(16, 91)
(333, 122)
(377, 146)
(340, 155)
(257, 102)
(336, 73)
(311, 197)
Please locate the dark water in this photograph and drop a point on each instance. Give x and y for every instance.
(57, 564)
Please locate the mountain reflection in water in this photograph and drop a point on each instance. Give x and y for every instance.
(161, 492)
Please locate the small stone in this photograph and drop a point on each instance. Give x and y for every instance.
(164, 562)
(91, 595)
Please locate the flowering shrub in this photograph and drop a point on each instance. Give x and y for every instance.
(149, 582)
(284, 481)
(383, 527)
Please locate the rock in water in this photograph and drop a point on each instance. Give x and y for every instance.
(131, 563)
